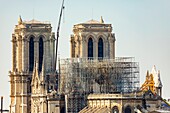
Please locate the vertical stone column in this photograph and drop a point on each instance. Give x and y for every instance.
(12, 92)
(15, 85)
(71, 48)
(19, 53)
(47, 55)
(85, 43)
(95, 48)
(17, 93)
(52, 49)
(79, 47)
(106, 49)
(13, 53)
(111, 46)
(82, 42)
(12, 84)
(72, 41)
(26, 52)
(53, 52)
(82, 48)
(113, 36)
(23, 55)
(111, 49)
(24, 94)
(36, 50)
(114, 50)
(76, 46)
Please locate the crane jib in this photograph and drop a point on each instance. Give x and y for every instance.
(57, 34)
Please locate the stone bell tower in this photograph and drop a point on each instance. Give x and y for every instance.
(93, 39)
(32, 74)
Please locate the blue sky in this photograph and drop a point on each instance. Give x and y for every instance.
(142, 30)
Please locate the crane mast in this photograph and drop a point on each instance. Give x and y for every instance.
(58, 29)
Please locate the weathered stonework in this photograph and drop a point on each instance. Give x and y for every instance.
(122, 103)
(30, 88)
(95, 30)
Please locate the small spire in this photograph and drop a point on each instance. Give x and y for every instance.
(20, 20)
(154, 69)
(159, 78)
(147, 74)
(35, 72)
(101, 20)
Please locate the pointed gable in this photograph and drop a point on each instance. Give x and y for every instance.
(35, 79)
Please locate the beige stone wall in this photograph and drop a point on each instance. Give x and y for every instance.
(121, 102)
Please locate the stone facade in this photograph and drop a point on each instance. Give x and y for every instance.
(122, 103)
(98, 32)
(33, 76)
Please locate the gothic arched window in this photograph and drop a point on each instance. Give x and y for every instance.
(41, 52)
(100, 48)
(31, 54)
(90, 48)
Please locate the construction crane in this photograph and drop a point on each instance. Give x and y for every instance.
(58, 29)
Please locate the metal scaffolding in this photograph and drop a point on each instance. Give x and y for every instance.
(83, 76)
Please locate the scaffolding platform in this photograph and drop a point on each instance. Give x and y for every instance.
(93, 75)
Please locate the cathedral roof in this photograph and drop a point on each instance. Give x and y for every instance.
(33, 21)
(92, 22)
(95, 21)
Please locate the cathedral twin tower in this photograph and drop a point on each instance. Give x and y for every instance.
(93, 39)
(33, 76)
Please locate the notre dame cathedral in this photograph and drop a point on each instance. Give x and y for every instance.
(82, 83)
